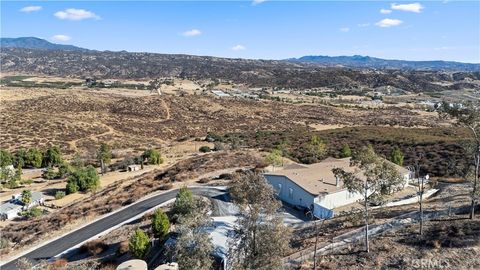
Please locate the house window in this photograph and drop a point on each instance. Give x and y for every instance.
(290, 193)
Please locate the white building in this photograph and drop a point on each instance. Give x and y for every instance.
(315, 187)
(9, 210)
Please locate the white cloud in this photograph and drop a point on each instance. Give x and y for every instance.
(239, 48)
(414, 7)
(29, 9)
(344, 29)
(363, 24)
(192, 33)
(257, 2)
(385, 11)
(388, 23)
(74, 14)
(61, 38)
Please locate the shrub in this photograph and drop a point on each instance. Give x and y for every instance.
(346, 151)
(64, 170)
(152, 156)
(34, 158)
(160, 224)
(58, 264)
(166, 186)
(122, 248)
(139, 244)
(93, 247)
(49, 174)
(204, 180)
(83, 179)
(5, 158)
(184, 202)
(226, 176)
(59, 195)
(204, 149)
(52, 157)
(32, 213)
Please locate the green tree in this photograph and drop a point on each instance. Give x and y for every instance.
(193, 247)
(152, 156)
(34, 158)
(274, 158)
(26, 197)
(6, 158)
(160, 224)
(20, 158)
(346, 151)
(49, 173)
(104, 155)
(183, 203)
(317, 147)
(83, 179)
(372, 176)
(139, 244)
(52, 157)
(71, 187)
(397, 156)
(64, 170)
(261, 240)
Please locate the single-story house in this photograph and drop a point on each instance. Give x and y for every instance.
(9, 210)
(133, 168)
(37, 199)
(315, 187)
(220, 93)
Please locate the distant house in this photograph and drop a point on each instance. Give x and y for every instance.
(220, 93)
(133, 168)
(315, 187)
(9, 210)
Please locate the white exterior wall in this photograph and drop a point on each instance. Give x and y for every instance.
(290, 192)
(337, 199)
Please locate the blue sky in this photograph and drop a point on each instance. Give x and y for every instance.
(431, 30)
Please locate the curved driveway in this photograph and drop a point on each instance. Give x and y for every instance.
(76, 237)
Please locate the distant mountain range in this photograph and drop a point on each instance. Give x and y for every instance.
(356, 61)
(359, 61)
(36, 43)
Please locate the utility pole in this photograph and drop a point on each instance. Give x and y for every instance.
(421, 201)
(316, 241)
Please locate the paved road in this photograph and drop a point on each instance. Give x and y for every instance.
(74, 238)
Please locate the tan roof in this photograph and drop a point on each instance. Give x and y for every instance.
(318, 178)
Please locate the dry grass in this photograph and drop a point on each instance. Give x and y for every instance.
(77, 120)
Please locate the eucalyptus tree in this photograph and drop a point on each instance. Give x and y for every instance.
(372, 176)
(467, 115)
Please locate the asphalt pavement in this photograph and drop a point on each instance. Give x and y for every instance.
(74, 238)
